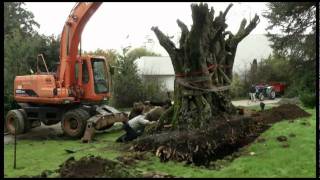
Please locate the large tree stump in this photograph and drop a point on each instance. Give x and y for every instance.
(203, 66)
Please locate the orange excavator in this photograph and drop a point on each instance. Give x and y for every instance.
(74, 95)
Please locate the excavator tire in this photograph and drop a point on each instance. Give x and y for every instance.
(27, 123)
(74, 122)
(15, 121)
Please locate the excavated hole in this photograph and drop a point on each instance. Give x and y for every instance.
(219, 140)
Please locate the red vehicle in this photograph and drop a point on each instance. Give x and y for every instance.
(270, 90)
(278, 87)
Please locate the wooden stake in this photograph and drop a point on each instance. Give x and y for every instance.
(15, 146)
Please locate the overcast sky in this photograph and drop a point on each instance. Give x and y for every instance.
(110, 26)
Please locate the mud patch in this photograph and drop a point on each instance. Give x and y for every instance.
(202, 146)
(43, 174)
(97, 167)
(41, 133)
(261, 140)
(305, 123)
(94, 167)
(158, 175)
(292, 135)
(282, 138)
(132, 158)
(285, 145)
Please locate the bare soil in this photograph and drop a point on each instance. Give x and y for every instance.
(282, 138)
(218, 140)
(94, 167)
(132, 158)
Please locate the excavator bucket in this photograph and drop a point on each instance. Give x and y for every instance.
(106, 116)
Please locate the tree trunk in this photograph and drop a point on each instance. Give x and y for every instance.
(203, 67)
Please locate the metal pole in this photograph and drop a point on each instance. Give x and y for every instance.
(80, 46)
(15, 145)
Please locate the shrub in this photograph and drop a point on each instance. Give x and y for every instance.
(127, 85)
(291, 91)
(153, 90)
(308, 99)
(238, 87)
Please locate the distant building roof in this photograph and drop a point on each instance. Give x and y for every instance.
(154, 65)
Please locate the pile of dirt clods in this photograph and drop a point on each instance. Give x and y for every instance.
(97, 167)
(94, 167)
(216, 141)
(280, 113)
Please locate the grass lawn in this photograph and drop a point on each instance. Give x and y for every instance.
(270, 159)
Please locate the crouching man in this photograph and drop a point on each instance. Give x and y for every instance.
(134, 128)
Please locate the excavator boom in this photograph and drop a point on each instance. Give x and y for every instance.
(70, 38)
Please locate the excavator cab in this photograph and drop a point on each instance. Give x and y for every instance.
(93, 77)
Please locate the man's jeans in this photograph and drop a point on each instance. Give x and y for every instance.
(130, 134)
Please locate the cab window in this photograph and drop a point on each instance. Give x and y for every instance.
(100, 76)
(85, 74)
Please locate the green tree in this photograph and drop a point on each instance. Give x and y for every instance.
(272, 69)
(297, 22)
(139, 52)
(111, 55)
(17, 18)
(14, 64)
(127, 86)
(253, 72)
(22, 44)
(238, 87)
(49, 46)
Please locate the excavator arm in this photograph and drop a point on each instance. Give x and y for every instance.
(70, 38)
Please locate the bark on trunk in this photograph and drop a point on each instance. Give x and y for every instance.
(203, 66)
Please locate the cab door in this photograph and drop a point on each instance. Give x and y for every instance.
(95, 79)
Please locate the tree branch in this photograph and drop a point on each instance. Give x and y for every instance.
(169, 46)
(225, 76)
(184, 32)
(243, 32)
(165, 41)
(227, 10)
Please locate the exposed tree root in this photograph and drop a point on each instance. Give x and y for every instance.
(217, 140)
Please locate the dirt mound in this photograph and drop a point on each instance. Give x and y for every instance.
(202, 146)
(158, 175)
(220, 139)
(282, 112)
(282, 138)
(93, 167)
(132, 158)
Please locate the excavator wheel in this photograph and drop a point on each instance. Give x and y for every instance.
(16, 121)
(74, 122)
